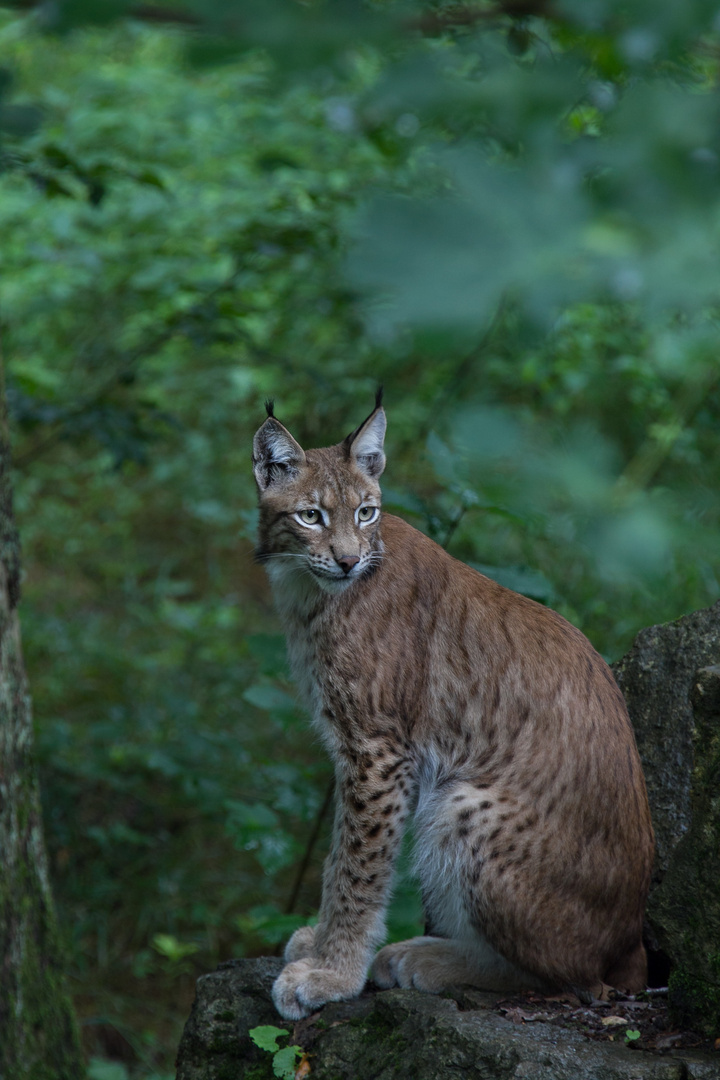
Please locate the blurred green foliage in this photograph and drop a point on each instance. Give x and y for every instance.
(510, 222)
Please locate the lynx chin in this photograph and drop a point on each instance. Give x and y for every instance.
(486, 717)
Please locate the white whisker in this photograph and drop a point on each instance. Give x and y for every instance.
(283, 555)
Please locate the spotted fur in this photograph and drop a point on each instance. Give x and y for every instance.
(487, 717)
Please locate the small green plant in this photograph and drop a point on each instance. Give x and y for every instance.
(175, 953)
(284, 1060)
(631, 1035)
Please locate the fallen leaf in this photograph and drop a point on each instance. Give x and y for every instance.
(717, 1044)
(515, 1016)
(303, 1068)
(519, 1016)
(613, 1021)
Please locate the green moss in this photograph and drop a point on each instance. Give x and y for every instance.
(261, 1070)
(376, 1029)
(38, 1035)
(686, 905)
(695, 1000)
(375, 1024)
(223, 1044)
(41, 1041)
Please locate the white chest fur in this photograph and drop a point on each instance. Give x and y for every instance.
(296, 596)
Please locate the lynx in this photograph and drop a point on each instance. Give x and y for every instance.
(484, 715)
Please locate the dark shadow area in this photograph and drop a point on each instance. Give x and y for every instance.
(658, 967)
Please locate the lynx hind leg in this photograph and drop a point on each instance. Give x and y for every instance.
(434, 964)
(630, 973)
(301, 945)
(450, 823)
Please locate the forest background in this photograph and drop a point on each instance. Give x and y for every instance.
(508, 215)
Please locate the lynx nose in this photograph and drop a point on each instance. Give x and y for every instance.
(347, 562)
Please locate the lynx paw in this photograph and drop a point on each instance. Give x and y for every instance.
(300, 988)
(434, 964)
(407, 964)
(301, 944)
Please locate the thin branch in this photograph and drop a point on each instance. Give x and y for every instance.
(454, 521)
(309, 848)
(431, 22)
(159, 14)
(466, 15)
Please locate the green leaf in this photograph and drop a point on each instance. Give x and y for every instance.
(249, 818)
(266, 1037)
(449, 260)
(270, 698)
(170, 947)
(255, 827)
(285, 1060)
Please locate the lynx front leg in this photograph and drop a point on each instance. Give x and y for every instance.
(331, 964)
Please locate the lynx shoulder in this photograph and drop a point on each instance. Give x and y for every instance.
(486, 717)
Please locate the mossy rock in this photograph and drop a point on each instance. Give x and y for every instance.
(216, 1044)
(671, 681)
(687, 902)
(404, 1035)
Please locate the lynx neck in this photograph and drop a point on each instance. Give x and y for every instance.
(295, 592)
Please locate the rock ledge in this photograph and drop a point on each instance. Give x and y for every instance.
(403, 1035)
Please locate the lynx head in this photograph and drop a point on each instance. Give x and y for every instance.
(320, 509)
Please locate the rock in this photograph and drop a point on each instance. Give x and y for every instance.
(657, 677)
(215, 1044)
(671, 682)
(402, 1035)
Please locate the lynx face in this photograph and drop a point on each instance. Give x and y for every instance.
(320, 509)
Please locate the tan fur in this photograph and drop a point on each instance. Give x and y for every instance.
(486, 716)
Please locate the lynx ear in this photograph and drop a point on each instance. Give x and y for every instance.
(276, 456)
(365, 444)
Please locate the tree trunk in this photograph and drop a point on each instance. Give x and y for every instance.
(38, 1034)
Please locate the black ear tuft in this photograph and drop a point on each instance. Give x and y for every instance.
(270, 407)
(379, 396)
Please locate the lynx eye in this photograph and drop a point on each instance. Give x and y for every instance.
(367, 513)
(309, 517)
